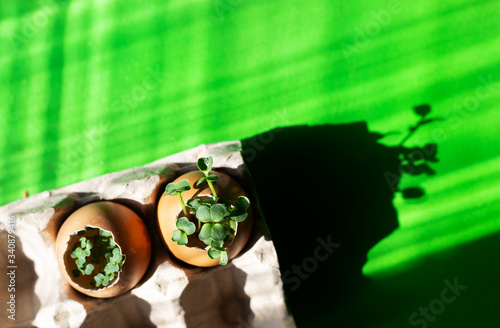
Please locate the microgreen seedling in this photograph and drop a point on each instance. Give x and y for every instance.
(205, 165)
(184, 229)
(217, 217)
(176, 189)
(97, 254)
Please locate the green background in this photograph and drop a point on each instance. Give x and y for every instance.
(91, 87)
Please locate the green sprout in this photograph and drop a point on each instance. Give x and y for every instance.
(205, 165)
(98, 255)
(217, 217)
(177, 188)
(185, 228)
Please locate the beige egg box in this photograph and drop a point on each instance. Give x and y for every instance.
(248, 292)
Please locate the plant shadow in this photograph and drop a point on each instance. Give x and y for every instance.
(326, 193)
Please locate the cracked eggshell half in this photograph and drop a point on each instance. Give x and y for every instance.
(170, 209)
(129, 233)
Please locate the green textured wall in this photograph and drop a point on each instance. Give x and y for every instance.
(91, 87)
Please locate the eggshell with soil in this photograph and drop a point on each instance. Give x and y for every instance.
(170, 209)
(129, 233)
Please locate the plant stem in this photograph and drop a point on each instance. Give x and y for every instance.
(211, 187)
(182, 203)
(213, 190)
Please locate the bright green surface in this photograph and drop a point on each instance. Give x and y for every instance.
(90, 87)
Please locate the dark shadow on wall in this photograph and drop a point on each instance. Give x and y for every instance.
(326, 193)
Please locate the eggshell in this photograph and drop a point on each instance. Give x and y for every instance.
(129, 233)
(169, 209)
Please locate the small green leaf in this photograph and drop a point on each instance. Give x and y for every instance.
(89, 268)
(190, 228)
(223, 258)
(213, 254)
(105, 233)
(101, 279)
(171, 188)
(210, 163)
(181, 223)
(200, 181)
(107, 268)
(217, 244)
(233, 224)
(212, 178)
(205, 164)
(183, 185)
(176, 235)
(219, 232)
(98, 279)
(207, 241)
(239, 218)
(242, 204)
(184, 224)
(203, 214)
(183, 240)
(206, 231)
(83, 242)
(80, 262)
(218, 212)
(105, 281)
(111, 267)
(194, 203)
(225, 201)
(77, 252)
(117, 256)
(209, 201)
(239, 212)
